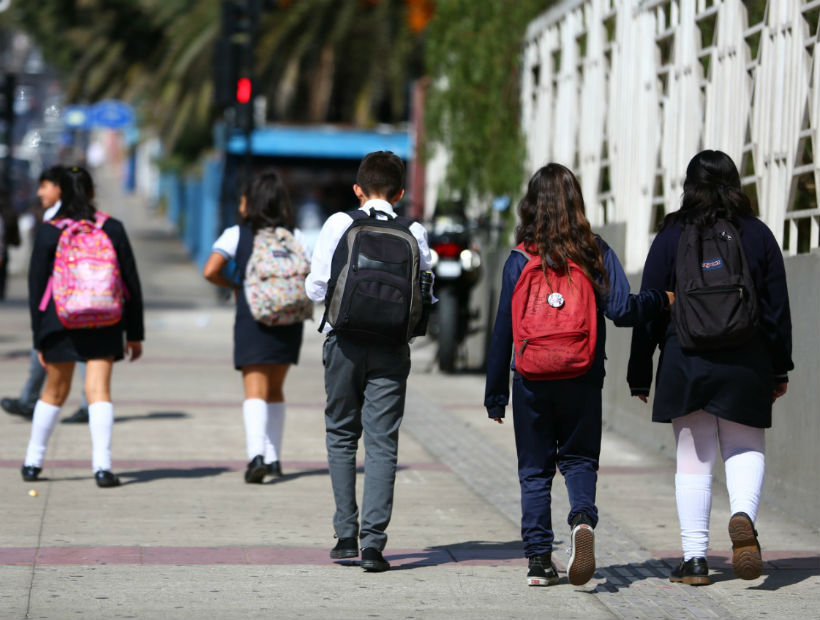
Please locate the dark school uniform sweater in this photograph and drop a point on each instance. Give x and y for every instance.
(45, 323)
(735, 384)
(617, 304)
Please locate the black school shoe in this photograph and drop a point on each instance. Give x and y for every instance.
(345, 548)
(746, 559)
(373, 561)
(256, 470)
(30, 473)
(78, 417)
(275, 469)
(105, 479)
(14, 406)
(693, 572)
(542, 571)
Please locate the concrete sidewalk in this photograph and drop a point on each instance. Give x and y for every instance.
(185, 537)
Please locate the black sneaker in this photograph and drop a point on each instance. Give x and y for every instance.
(14, 406)
(542, 571)
(256, 470)
(30, 473)
(581, 565)
(105, 479)
(693, 572)
(345, 548)
(275, 469)
(78, 417)
(746, 559)
(373, 561)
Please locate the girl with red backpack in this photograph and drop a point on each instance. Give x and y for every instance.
(263, 349)
(558, 284)
(84, 296)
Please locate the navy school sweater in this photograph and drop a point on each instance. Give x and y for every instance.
(623, 308)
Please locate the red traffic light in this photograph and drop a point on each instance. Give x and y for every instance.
(243, 90)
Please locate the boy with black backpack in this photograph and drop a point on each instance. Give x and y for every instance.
(367, 267)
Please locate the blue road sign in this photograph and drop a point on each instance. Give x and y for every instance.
(76, 116)
(112, 113)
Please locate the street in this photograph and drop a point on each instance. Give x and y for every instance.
(185, 537)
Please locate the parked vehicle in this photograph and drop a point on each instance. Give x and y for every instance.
(457, 267)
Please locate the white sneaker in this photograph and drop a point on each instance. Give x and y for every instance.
(581, 566)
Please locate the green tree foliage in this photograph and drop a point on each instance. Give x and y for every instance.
(473, 57)
(343, 61)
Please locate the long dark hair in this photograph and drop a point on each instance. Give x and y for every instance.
(711, 191)
(267, 204)
(76, 193)
(553, 223)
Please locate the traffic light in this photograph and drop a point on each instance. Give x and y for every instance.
(233, 61)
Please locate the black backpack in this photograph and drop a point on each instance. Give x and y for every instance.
(715, 299)
(374, 291)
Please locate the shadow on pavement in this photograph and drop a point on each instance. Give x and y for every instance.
(150, 475)
(471, 551)
(154, 415)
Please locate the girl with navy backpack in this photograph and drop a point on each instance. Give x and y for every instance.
(65, 333)
(262, 352)
(717, 398)
(557, 422)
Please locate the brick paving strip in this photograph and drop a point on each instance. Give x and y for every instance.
(635, 583)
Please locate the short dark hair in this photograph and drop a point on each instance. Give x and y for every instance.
(53, 174)
(381, 174)
(267, 203)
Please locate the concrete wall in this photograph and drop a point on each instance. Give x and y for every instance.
(793, 442)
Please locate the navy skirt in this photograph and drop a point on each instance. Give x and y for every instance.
(734, 384)
(255, 343)
(81, 345)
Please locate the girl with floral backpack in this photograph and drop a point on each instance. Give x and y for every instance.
(85, 302)
(271, 305)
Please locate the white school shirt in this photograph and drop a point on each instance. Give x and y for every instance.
(228, 242)
(52, 211)
(329, 236)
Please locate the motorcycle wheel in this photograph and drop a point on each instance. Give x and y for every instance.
(447, 330)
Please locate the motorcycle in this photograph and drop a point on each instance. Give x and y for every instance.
(456, 264)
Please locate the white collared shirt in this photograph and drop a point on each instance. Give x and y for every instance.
(331, 233)
(52, 211)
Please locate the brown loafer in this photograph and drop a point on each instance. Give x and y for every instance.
(746, 559)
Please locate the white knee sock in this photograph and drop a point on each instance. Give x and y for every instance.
(744, 479)
(694, 496)
(273, 436)
(42, 424)
(101, 424)
(255, 413)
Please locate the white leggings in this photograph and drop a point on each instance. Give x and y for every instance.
(698, 436)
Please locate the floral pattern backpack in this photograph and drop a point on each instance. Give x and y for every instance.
(86, 283)
(275, 279)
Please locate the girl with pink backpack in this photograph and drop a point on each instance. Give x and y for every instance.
(85, 301)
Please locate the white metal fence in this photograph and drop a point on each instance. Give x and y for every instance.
(625, 92)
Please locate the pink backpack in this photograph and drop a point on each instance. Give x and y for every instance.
(86, 283)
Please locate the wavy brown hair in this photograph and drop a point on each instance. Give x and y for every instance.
(553, 223)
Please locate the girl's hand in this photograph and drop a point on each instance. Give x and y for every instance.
(671, 296)
(41, 359)
(133, 350)
(642, 397)
(499, 420)
(779, 390)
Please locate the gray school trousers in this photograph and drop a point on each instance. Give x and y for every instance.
(365, 387)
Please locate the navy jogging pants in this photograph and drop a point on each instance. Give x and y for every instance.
(557, 423)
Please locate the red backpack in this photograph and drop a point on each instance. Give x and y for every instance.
(554, 321)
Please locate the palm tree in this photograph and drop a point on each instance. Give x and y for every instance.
(342, 61)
